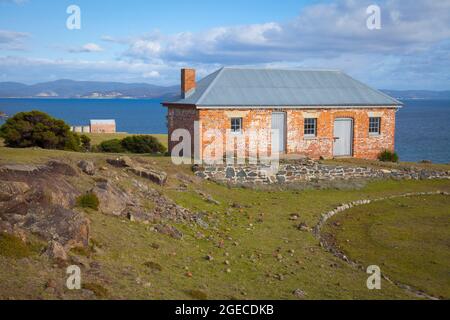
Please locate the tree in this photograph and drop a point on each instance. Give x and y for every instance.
(38, 129)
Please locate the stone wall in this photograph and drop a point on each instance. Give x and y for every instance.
(306, 171)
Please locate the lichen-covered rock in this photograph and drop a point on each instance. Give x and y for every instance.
(113, 201)
(87, 167)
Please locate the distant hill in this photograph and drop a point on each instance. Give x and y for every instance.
(96, 89)
(418, 94)
(86, 89)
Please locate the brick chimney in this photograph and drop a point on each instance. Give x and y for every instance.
(187, 82)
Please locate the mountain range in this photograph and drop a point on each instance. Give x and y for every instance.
(86, 89)
(117, 90)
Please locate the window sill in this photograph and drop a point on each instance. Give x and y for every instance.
(374, 135)
(310, 138)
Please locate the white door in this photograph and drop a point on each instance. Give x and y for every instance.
(343, 137)
(279, 124)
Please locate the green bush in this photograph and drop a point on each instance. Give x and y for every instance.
(388, 156)
(85, 142)
(112, 146)
(38, 129)
(142, 144)
(88, 200)
(132, 144)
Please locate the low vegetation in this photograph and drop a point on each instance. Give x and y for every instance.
(38, 129)
(249, 244)
(133, 144)
(88, 201)
(388, 156)
(13, 247)
(407, 238)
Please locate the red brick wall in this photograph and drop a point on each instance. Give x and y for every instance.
(364, 145)
(181, 117)
(187, 80)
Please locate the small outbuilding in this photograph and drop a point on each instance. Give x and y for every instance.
(318, 113)
(103, 126)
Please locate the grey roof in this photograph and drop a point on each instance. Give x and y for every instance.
(246, 87)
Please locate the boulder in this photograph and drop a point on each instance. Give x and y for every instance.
(56, 251)
(158, 177)
(113, 201)
(169, 230)
(87, 167)
(121, 162)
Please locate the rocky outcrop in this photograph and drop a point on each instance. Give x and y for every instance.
(39, 200)
(113, 201)
(141, 170)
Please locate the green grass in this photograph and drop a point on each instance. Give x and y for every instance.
(13, 247)
(409, 238)
(250, 238)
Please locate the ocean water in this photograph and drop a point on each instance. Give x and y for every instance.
(423, 126)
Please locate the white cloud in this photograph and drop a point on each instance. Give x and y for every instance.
(12, 40)
(327, 29)
(412, 49)
(87, 48)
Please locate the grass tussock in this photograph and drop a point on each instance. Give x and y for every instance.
(14, 247)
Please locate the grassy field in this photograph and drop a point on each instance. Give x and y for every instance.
(257, 251)
(409, 238)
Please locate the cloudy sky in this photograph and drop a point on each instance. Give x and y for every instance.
(149, 41)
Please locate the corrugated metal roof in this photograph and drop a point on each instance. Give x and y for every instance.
(102, 122)
(246, 87)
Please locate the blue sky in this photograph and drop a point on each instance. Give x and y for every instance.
(149, 41)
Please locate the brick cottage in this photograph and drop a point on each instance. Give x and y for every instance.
(318, 113)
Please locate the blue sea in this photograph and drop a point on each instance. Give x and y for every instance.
(423, 126)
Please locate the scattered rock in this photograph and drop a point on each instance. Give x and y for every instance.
(303, 227)
(294, 217)
(87, 167)
(158, 177)
(299, 293)
(121, 162)
(56, 251)
(169, 230)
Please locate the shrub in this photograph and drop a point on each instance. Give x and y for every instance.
(85, 142)
(112, 146)
(38, 129)
(88, 200)
(142, 144)
(388, 156)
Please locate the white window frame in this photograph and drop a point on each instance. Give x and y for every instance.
(310, 135)
(240, 122)
(378, 132)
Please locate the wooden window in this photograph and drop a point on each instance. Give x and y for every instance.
(375, 126)
(236, 125)
(310, 129)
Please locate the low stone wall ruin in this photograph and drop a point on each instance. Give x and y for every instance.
(307, 171)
